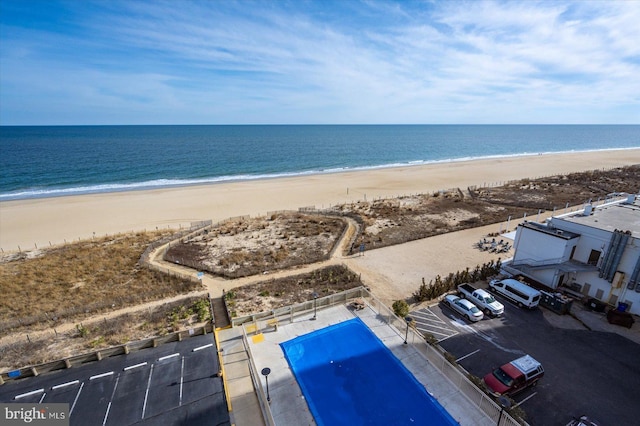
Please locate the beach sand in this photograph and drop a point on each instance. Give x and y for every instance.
(40, 222)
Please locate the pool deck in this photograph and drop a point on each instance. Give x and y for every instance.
(288, 406)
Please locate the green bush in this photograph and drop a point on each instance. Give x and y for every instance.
(400, 308)
(441, 286)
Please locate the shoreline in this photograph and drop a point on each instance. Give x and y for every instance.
(38, 222)
(109, 188)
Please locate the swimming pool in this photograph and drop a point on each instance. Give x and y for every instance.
(348, 377)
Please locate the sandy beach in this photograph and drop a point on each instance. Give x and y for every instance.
(40, 222)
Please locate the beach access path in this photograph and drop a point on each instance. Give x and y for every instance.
(391, 273)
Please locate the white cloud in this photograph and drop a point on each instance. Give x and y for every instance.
(253, 62)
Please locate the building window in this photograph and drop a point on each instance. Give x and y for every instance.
(594, 256)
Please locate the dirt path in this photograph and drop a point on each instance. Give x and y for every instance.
(392, 273)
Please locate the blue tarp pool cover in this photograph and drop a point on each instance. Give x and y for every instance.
(349, 377)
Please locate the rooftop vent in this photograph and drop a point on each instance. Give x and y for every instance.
(559, 232)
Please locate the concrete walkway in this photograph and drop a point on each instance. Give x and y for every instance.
(581, 318)
(245, 406)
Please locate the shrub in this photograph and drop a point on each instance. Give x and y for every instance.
(400, 308)
(441, 286)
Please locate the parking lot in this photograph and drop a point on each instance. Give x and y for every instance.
(176, 383)
(586, 372)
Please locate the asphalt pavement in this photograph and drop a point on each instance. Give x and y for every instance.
(176, 383)
(590, 366)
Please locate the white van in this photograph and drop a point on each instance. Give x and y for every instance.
(516, 291)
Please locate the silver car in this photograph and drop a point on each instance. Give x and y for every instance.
(463, 307)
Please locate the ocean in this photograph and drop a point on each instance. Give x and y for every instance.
(49, 161)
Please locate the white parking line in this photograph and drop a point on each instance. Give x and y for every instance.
(168, 356)
(42, 397)
(76, 399)
(131, 367)
(75, 382)
(429, 323)
(467, 355)
(99, 376)
(113, 392)
(146, 394)
(181, 381)
(24, 395)
(104, 422)
(526, 399)
(202, 347)
(445, 338)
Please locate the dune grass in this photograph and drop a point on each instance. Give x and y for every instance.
(81, 279)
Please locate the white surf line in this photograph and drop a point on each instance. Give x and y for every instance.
(181, 381)
(131, 367)
(99, 376)
(146, 394)
(168, 356)
(75, 382)
(202, 347)
(24, 395)
(526, 399)
(76, 399)
(467, 355)
(106, 415)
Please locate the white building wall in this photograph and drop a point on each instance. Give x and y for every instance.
(531, 244)
(598, 239)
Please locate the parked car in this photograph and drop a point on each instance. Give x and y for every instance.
(514, 376)
(583, 421)
(482, 299)
(463, 307)
(518, 292)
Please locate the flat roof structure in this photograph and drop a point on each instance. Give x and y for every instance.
(623, 216)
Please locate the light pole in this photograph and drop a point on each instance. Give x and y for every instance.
(265, 372)
(504, 403)
(408, 320)
(315, 299)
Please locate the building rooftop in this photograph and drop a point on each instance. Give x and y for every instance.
(623, 216)
(547, 229)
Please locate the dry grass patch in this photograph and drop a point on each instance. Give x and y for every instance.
(152, 322)
(80, 279)
(276, 293)
(256, 245)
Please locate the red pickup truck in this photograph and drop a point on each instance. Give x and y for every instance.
(514, 376)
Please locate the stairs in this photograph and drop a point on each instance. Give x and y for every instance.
(220, 315)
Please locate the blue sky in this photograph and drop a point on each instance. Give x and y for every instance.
(324, 62)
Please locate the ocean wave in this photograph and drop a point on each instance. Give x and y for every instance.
(32, 193)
